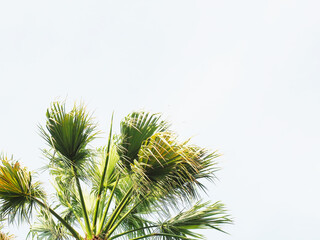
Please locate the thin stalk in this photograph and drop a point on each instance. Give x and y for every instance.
(95, 215)
(83, 205)
(161, 234)
(101, 209)
(116, 214)
(67, 225)
(125, 215)
(130, 231)
(108, 204)
(118, 209)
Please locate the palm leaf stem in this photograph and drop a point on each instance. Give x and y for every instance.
(83, 205)
(134, 230)
(118, 210)
(162, 234)
(63, 222)
(108, 204)
(95, 216)
(125, 215)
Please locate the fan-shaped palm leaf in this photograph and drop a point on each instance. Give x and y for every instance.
(68, 133)
(200, 216)
(18, 193)
(135, 129)
(172, 167)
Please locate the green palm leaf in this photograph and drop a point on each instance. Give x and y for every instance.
(171, 167)
(200, 216)
(68, 133)
(135, 129)
(18, 193)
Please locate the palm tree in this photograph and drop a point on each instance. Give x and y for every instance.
(144, 184)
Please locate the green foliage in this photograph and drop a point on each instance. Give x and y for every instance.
(172, 167)
(200, 216)
(47, 228)
(135, 129)
(129, 189)
(68, 133)
(17, 191)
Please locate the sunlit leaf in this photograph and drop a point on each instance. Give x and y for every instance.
(17, 191)
(135, 129)
(68, 133)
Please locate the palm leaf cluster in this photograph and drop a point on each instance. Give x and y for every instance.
(144, 184)
(17, 191)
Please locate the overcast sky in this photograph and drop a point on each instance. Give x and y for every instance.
(241, 77)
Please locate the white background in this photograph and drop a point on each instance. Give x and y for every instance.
(239, 76)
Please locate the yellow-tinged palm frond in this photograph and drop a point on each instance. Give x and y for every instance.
(5, 236)
(69, 133)
(17, 191)
(163, 174)
(173, 167)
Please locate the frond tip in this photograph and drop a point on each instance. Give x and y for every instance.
(17, 191)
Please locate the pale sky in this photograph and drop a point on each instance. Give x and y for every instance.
(241, 77)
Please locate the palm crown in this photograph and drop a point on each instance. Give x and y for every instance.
(129, 189)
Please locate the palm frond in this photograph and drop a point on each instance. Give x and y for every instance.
(68, 133)
(18, 193)
(172, 168)
(135, 129)
(200, 216)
